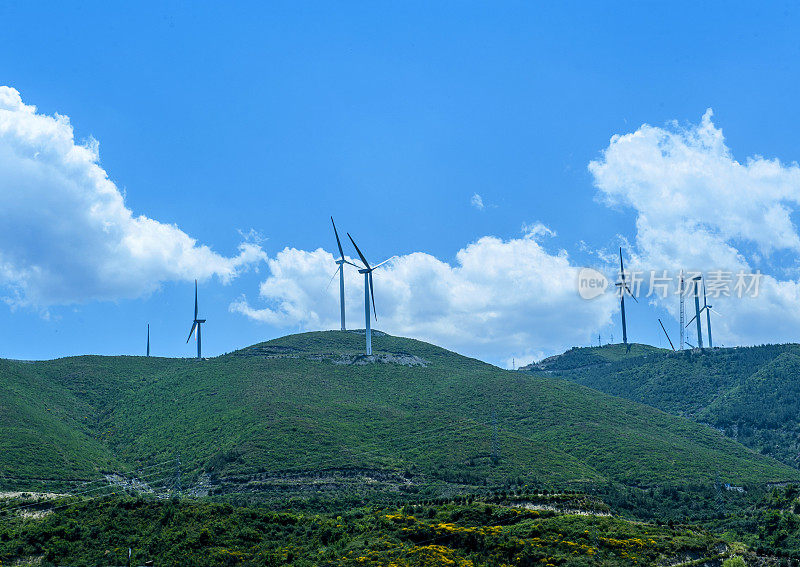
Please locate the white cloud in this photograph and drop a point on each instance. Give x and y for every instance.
(476, 201)
(65, 233)
(501, 298)
(697, 207)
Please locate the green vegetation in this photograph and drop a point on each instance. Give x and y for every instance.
(752, 394)
(99, 532)
(417, 422)
(772, 525)
(301, 451)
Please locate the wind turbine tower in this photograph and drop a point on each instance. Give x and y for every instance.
(148, 339)
(696, 317)
(708, 309)
(369, 293)
(196, 325)
(623, 289)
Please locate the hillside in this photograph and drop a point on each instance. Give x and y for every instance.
(308, 413)
(750, 393)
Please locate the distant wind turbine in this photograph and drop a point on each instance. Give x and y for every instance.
(696, 317)
(196, 325)
(341, 261)
(368, 292)
(708, 309)
(148, 339)
(623, 288)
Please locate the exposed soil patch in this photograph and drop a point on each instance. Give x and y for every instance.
(400, 358)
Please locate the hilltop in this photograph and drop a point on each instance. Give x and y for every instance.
(585, 357)
(752, 394)
(308, 412)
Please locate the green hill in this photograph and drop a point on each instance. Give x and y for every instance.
(308, 412)
(750, 393)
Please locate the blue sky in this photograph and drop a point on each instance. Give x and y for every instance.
(390, 116)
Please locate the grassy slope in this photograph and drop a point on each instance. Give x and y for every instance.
(45, 430)
(245, 412)
(752, 393)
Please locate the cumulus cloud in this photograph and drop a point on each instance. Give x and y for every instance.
(476, 201)
(66, 234)
(500, 299)
(698, 207)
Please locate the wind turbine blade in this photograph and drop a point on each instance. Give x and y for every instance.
(372, 295)
(690, 321)
(351, 264)
(690, 344)
(665, 332)
(360, 255)
(705, 303)
(333, 276)
(621, 267)
(715, 311)
(192, 331)
(382, 263)
(338, 242)
(631, 294)
(195, 299)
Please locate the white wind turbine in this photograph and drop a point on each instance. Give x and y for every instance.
(368, 292)
(341, 261)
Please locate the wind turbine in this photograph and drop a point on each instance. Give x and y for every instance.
(696, 279)
(341, 261)
(368, 292)
(148, 339)
(708, 309)
(196, 324)
(623, 288)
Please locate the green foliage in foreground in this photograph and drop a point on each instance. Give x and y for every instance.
(192, 533)
(772, 525)
(292, 405)
(750, 393)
